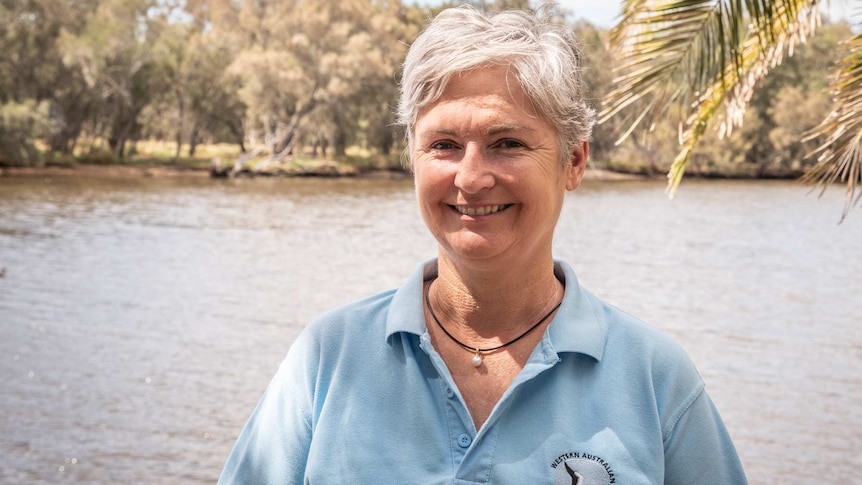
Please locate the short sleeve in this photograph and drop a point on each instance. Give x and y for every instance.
(273, 446)
(699, 448)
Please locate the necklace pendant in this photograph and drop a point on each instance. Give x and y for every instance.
(477, 359)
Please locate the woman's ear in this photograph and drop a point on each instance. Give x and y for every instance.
(577, 165)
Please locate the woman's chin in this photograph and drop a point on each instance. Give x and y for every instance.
(474, 248)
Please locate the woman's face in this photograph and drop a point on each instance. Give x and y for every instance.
(487, 169)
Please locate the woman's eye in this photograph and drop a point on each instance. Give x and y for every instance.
(442, 145)
(508, 143)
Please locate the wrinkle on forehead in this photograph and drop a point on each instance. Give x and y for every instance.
(514, 89)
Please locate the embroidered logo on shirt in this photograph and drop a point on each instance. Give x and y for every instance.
(582, 469)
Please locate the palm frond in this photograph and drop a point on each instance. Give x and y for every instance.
(706, 56)
(667, 49)
(839, 157)
(727, 98)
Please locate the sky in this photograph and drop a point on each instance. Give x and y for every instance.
(601, 13)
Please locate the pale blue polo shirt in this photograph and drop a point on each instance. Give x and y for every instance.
(363, 397)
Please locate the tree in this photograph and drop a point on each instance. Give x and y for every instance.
(32, 73)
(20, 125)
(795, 112)
(840, 155)
(705, 57)
(327, 57)
(786, 105)
(598, 79)
(215, 108)
(114, 54)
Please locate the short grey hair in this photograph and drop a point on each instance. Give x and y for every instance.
(543, 56)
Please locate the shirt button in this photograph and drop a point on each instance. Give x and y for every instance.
(449, 392)
(464, 440)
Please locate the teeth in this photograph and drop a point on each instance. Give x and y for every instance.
(480, 211)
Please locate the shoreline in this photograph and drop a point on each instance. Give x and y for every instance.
(162, 171)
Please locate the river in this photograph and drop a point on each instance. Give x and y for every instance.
(141, 318)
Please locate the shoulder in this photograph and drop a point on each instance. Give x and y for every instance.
(356, 312)
(592, 326)
(632, 337)
(646, 355)
(362, 319)
(341, 337)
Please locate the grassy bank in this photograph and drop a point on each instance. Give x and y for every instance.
(157, 159)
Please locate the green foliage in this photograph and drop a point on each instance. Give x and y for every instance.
(795, 112)
(770, 143)
(316, 78)
(705, 57)
(113, 53)
(840, 154)
(21, 124)
(330, 61)
(784, 107)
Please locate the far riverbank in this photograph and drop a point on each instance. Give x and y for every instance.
(129, 170)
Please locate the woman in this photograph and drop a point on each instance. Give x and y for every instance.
(491, 364)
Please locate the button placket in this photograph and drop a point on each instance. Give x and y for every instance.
(459, 429)
(458, 419)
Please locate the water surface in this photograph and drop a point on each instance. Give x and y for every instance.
(140, 319)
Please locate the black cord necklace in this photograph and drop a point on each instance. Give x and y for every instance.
(477, 352)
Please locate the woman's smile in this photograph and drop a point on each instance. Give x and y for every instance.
(477, 211)
(488, 171)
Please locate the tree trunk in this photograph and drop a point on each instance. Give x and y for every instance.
(60, 138)
(122, 131)
(339, 134)
(179, 127)
(283, 146)
(193, 139)
(236, 129)
(340, 142)
(386, 140)
(239, 165)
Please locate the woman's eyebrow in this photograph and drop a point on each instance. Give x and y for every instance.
(507, 128)
(439, 131)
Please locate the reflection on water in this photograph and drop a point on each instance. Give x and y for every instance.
(140, 319)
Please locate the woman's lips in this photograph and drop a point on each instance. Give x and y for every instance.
(483, 210)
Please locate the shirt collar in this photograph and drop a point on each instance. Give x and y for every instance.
(579, 325)
(407, 310)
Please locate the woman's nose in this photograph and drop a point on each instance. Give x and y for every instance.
(474, 171)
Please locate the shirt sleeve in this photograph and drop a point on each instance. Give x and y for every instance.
(699, 448)
(273, 447)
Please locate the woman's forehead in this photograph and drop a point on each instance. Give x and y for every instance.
(489, 95)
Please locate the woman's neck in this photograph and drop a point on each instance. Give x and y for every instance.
(494, 300)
